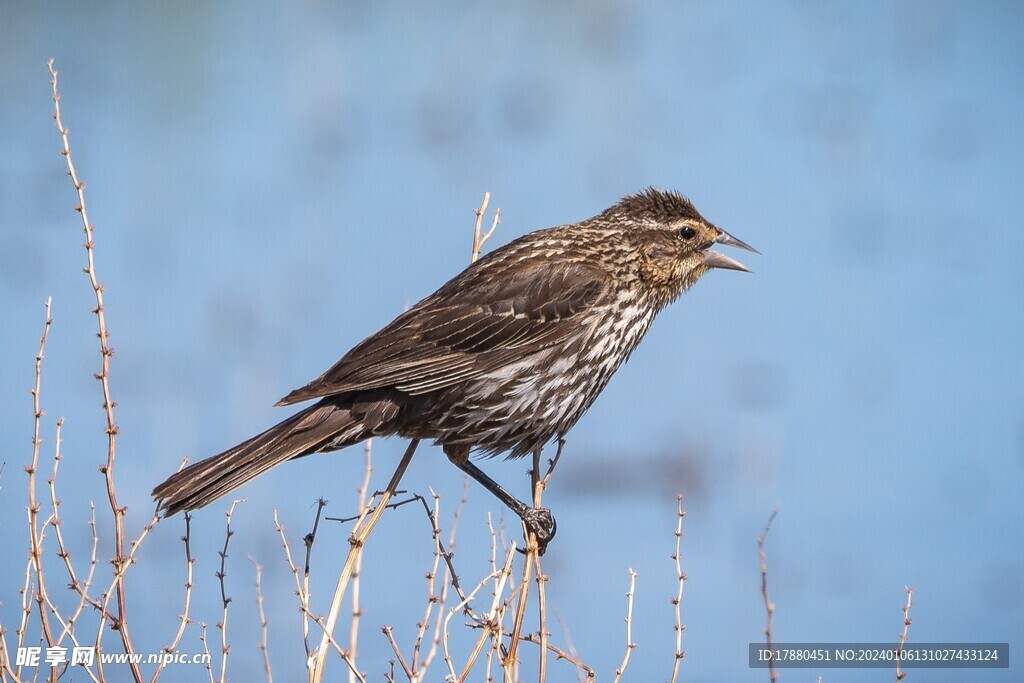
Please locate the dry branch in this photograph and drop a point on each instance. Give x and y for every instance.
(586, 672)
(357, 605)
(450, 577)
(630, 645)
(120, 561)
(184, 619)
(35, 550)
(300, 591)
(361, 532)
(677, 601)
(478, 237)
(769, 607)
(206, 651)
(82, 588)
(907, 621)
(225, 600)
(263, 620)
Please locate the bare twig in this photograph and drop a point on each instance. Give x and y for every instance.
(359, 535)
(108, 404)
(417, 665)
(398, 653)
(66, 627)
(62, 552)
(184, 619)
(769, 607)
(35, 551)
(907, 621)
(414, 498)
(307, 614)
(308, 542)
(225, 600)
(432, 598)
(357, 605)
(26, 592)
(263, 619)
(538, 485)
(630, 645)
(206, 651)
(450, 578)
(5, 661)
(319, 621)
(677, 600)
(542, 609)
(552, 464)
(494, 551)
(46, 605)
(6, 669)
(492, 620)
(586, 673)
(300, 591)
(122, 567)
(478, 238)
(509, 660)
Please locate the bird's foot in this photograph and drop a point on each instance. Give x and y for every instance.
(541, 523)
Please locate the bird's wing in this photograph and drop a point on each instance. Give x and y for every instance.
(473, 325)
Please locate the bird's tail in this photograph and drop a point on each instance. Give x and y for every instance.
(321, 426)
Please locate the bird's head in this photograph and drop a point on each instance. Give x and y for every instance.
(673, 241)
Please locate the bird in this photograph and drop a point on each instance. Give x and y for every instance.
(504, 358)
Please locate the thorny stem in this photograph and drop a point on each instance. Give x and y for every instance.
(450, 578)
(33, 505)
(357, 605)
(387, 631)
(303, 594)
(225, 600)
(432, 598)
(509, 660)
(538, 485)
(81, 588)
(308, 542)
(108, 404)
(263, 619)
(206, 651)
(185, 620)
(478, 238)
(768, 606)
(559, 653)
(907, 621)
(299, 590)
(492, 620)
(630, 645)
(360, 533)
(677, 601)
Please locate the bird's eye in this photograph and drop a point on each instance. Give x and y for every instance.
(687, 233)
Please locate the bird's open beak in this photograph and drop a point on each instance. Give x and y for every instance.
(730, 241)
(712, 259)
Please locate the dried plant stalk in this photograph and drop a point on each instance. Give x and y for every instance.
(630, 645)
(907, 621)
(769, 607)
(120, 561)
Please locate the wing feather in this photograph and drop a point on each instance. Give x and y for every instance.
(471, 326)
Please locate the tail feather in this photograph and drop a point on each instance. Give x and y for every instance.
(308, 431)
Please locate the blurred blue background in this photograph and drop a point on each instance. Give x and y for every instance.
(271, 183)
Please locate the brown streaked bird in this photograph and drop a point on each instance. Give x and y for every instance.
(504, 358)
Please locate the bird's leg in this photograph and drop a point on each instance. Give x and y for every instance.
(537, 520)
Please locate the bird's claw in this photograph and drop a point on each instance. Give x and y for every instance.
(541, 523)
